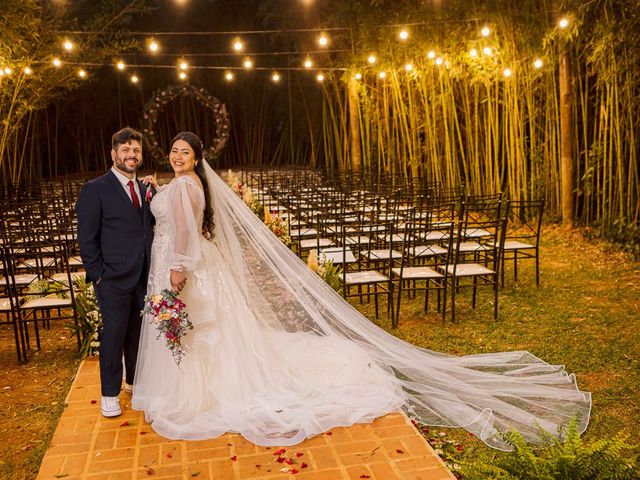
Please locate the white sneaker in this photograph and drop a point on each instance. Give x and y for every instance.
(110, 407)
(128, 387)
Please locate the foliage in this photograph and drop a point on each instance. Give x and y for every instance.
(325, 269)
(89, 317)
(569, 459)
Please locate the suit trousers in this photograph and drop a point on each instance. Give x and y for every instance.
(121, 324)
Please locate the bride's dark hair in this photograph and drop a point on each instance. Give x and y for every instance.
(194, 141)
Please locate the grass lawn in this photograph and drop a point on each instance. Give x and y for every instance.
(585, 315)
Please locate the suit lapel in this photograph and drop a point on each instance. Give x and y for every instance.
(144, 205)
(115, 183)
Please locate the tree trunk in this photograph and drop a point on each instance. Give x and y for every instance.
(354, 126)
(566, 138)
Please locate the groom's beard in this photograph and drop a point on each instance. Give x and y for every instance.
(126, 164)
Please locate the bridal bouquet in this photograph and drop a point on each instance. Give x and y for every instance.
(170, 318)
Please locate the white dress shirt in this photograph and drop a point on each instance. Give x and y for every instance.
(124, 180)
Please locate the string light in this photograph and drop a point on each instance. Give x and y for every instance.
(7, 70)
(120, 65)
(486, 31)
(184, 65)
(56, 62)
(320, 77)
(404, 35)
(439, 61)
(1, 73)
(248, 63)
(275, 77)
(382, 74)
(308, 63)
(27, 70)
(473, 53)
(82, 73)
(507, 72)
(68, 45)
(228, 76)
(408, 67)
(563, 23)
(153, 46)
(358, 76)
(487, 51)
(182, 76)
(538, 63)
(323, 41)
(372, 59)
(238, 46)
(431, 54)
(134, 79)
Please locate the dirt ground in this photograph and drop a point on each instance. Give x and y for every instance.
(32, 398)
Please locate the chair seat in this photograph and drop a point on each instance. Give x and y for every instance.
(304, 232)
(62, 277)
(47, 302)
(516, 245)
(396, 238)
(435, 235)
(25, 278)
(360, 240)
(469, 270)
(417, 273)
(468, 247)
(313, 242)
(427, 251)
(475, 233)
(33, 263)
(360, 278)
(380, 254)
(75, 262)
(337, 255)
(5, 305)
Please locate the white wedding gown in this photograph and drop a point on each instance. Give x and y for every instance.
(277, 356)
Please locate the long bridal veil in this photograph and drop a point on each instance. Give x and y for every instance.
(486, 394)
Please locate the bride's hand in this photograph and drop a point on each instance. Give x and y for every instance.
(150, 180)
(178, 280)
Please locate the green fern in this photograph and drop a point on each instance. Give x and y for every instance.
(569, 458)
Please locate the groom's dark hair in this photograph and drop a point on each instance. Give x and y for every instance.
(125, 135)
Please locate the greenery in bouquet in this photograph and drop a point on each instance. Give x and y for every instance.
(89, 317)
(38, 288)
(278, 226)
(325, 269)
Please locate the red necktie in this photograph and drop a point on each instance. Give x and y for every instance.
(134, 195)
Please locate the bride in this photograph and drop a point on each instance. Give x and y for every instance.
(277, 356)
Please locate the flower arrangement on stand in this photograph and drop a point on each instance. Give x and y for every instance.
(278, 226)
(235, 183)
(325, 269)
(89, 316)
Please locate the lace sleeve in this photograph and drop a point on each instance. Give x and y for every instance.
(186, 211)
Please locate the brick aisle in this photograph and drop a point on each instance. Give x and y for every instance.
(86, 445)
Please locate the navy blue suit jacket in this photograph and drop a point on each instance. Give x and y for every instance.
(115, 239)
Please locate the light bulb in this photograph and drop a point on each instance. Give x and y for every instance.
(431, 54)
(134, 79)
(403, 35)
(275, 77)
(27, 70)
(507, 72)
(7, 70)
(372, 59)
(358, 76)
(408, 67)
(182, 76)
(308, 63)
(323, 40)
(153, 46)
(486, 31)
(228, 76)
(538, 63)
(382, 74)
(473, 52)
(82, 73)
(184, 65)
(487, 51)
(439, 61)
(248, 63)
(120, 65)
(56, 62)
(68, 45)
(238, 46)
(563, 23)
(320, 77)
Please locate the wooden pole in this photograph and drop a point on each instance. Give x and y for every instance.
(566, 138)
(354, 126)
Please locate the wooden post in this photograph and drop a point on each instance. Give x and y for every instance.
(566, 138)
(354, 126)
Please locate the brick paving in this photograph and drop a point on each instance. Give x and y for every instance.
(86, 445)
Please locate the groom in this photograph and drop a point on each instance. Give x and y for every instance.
(115, 231)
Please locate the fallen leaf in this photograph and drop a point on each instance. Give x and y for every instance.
(364, 476)
(143, 433)
(399, 451)
(329, 433)
(151, 471)
(62, 475)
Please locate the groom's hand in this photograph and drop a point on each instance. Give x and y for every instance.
(178, 280)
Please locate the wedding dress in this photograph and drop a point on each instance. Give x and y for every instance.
(278, 356)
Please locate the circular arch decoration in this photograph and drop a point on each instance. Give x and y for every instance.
(161, 98)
